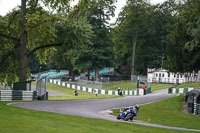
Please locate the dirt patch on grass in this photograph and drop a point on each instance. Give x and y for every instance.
(185, 107)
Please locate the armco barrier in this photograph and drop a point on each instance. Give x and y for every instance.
(9, 95)
(100, 91)
(179, 90)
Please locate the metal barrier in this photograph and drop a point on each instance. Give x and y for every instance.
(41, 88)
(90, 84)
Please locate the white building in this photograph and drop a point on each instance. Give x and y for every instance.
(164, 76)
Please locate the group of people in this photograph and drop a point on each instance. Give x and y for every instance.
(121, 93)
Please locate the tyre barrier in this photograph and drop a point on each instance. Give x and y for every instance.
(198, 109)
(9, 95)
(179, 90)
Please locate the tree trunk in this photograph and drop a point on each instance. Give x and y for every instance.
(72, 75)
(88, 74)
(22, 46)
(133, 54)
(97, 74)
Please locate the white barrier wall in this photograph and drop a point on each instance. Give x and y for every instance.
(9, 95)
(105, 92)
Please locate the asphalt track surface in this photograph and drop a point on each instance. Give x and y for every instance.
(99, 108)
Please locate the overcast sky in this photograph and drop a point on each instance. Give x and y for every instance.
(8, 5)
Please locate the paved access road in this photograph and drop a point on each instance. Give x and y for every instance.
(97, 108)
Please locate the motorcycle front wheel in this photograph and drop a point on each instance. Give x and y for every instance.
(119, 117)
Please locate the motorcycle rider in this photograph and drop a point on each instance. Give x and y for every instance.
(95, 93)
(76, 93)
(133, 110)
(137, 107)
(119, 91)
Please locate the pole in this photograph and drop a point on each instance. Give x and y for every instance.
(138, 82)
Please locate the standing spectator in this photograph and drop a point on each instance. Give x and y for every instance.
(95, 93)
(119, 91)
(144, 88)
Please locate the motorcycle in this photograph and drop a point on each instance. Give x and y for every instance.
(128, 113)
(120, 92)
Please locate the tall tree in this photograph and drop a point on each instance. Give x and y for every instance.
(74, 54)
(183, 42)
(23, 37)
(134, 53)
(22, 45)
(98, 14)
(132, 22)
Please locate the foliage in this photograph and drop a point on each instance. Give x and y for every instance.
(98, 14)
(183, 41)
(152, 24)
(80, 38)
(38, 33)
(94, 47)
(75, 34)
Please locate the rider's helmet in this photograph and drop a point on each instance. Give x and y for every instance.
(137, 106)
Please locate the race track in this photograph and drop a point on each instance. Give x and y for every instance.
(98, 108)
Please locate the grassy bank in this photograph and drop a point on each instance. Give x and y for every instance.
(69, 91)
(187, 85)
(156, 86)
(124, 86)
(168, 112)
(17, 120)
(129, 85)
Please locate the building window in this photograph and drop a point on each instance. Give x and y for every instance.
(168, 74)
(177, 75)
(156, 75)
(174, 75)
(181, 76)
(159, 74)
(163, 75)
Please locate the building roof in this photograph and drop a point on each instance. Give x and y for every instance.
(159, 70)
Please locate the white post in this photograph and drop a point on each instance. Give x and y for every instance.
(45, 89)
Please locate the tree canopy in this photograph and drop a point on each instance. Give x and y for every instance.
(81, 39)
(183, 42)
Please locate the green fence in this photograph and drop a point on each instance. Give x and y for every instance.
(26, 85)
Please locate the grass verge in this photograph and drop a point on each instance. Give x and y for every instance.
(69, 91)
(188, 85)
(17, 120)
(168, 112)
(156, 86)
